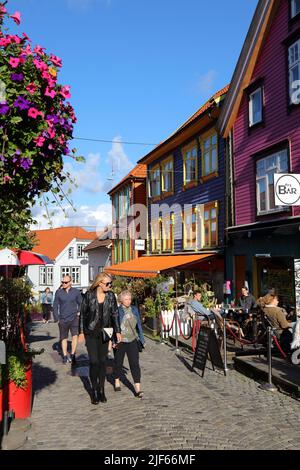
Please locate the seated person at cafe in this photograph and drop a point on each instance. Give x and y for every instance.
(196, 305)
(276, 317)
(246, 301)
(274, 314)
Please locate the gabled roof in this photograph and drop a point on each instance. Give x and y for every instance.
(138, 172)
(104, 239)
(51, 242)
(182, 132)
(242, 75)
(98, 244)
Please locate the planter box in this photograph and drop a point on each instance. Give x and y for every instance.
(19, 399)
(152, 323)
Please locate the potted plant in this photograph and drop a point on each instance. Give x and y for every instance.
(151, 313)
(16, 382)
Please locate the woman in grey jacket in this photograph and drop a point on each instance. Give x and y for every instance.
(131, 331)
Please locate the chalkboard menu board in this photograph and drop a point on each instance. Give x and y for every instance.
(201, 350)
(207, 343)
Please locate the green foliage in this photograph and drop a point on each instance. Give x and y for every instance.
(17, 365)
(15, 218)
(207, 295)
(150, 307)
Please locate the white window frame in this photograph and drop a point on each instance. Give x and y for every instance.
(42, 276)
(154, 182)
(46, 276)
(167, 171)
(207, 153)
(80, 253)
(259, 90)
(73, 271)
(279, 167)
(190, 160)
(293, 64)
(49, 275)
(294, 5)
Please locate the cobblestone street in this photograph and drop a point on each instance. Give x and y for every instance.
(180, 409)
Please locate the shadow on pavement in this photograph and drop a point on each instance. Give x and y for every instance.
(42, 377)
(35, 338)
(185, 363)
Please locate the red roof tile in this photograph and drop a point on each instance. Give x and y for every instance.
(139, 171)
(51, 242)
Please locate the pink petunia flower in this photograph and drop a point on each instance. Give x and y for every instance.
(40, 65)
(39, 50)
(4, 42)
(31, 88)
(15, 39)
(27, 50)
(26, 37)
(7, 179)
(34, 113)
(14, 62)
(16, 17)
(56, 60)
(39, 141)
(51, 133)
(2, 10)
(65, 92)
(50, 92)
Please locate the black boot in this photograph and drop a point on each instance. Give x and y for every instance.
(101, 395)
(94, 397)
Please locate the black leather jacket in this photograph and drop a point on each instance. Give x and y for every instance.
(89, 313)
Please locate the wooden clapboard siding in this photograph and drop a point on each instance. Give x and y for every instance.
(209, 191)
(280, 125)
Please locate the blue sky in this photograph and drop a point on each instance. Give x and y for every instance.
(137, 69)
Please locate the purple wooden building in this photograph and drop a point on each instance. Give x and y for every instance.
(261, 121)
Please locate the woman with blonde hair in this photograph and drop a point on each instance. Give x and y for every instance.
(131, 329)
(99, 318)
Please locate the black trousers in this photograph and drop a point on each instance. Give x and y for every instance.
(46, 311)
(131, 349)
(97, 351)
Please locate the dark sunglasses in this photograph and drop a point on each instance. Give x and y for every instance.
(106, 283)
(65, 282)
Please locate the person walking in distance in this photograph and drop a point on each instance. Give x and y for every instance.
(46, 301)
(98, 315)
(131, 329)
(66, 308)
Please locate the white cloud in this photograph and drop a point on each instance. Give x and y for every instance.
(87, 175)
(93, 218)
(118, 159)
(206, 83)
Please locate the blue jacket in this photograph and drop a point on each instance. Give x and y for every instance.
(47, 299)
(136, 313)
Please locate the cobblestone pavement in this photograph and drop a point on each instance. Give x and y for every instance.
(180, 409)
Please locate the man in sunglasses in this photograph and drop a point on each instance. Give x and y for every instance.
(66, 308)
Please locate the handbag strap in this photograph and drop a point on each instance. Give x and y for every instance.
(134, 332)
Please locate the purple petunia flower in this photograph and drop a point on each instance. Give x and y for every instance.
(17, 77)
(53, 118)
(4, 108)
(22, 103)
(25, 163)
